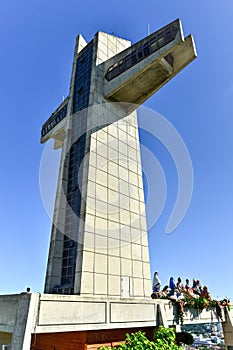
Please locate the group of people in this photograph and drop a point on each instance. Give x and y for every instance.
(178, 290)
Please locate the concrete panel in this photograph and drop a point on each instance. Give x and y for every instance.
(132, 312)
(168, 310)
(71, 312)
(191, 315)
(207, 314)
(8, 312)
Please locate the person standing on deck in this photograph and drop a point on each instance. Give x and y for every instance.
(156, 282)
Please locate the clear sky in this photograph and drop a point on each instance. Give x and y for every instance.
(37, 41)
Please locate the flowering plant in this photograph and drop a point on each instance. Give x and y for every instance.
(200, 304)
(226, 302)
(180, 310)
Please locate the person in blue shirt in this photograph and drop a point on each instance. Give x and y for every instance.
(172, 287)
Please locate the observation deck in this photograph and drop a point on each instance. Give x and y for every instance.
(138, 72)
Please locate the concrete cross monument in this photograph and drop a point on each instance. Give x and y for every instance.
(98, 281)
(99, 243)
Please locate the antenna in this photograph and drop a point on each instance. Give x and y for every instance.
(148, 29)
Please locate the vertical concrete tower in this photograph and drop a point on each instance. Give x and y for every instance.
(99, 240)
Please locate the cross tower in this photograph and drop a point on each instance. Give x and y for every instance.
(99, 240)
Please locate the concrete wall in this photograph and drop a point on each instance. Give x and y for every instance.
(228, 328)
(26, 314)
(18, 314)
(8, 312)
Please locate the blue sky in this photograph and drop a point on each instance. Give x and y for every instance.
(37, 41)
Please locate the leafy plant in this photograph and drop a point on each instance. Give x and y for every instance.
(200, 303)
(164, 339)
(218, 309)
(180, 310)
(196, 303)
(137, 341)
(226, 302)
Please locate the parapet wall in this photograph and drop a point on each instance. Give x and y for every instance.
(54, 313)
(27, 314)
(8, 311)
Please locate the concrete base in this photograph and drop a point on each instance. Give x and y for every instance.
(47, 317)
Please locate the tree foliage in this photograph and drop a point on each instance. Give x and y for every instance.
(164, 339)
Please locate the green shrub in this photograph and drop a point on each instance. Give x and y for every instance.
(164, 339)
(137, 341)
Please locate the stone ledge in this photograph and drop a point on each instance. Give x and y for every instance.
(57, 313)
